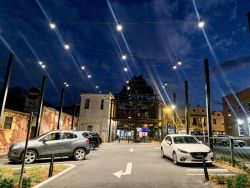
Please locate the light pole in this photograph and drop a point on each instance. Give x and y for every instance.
(174, 109)
(73, 115)
(6, 83)
(187, 107)
(40, 108)
(110, 117)
(208, 105)
(61, 105)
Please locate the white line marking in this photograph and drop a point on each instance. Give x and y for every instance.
(56, 176)
(211, 174)
(157, 147)
(131, 150)
(93, 154)
(128, 171)
(209, 170)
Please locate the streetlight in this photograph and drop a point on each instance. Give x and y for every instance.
(40, 62)
(128, 87)
(89, 75)
(124, 57)
(127, 81)
(66, 47)
(119, 27)
(179, 62)
(82, 67)
(96, 87)
(43, 66)
(125, 69)
(201, 24)
(173, 106)
(165, 84)
(52, 25)
(174, 67)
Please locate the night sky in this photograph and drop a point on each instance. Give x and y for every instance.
(155, 35)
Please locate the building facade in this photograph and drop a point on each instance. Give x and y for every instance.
(236, 109)
(197, 120)
(14, 125)
(96, 115)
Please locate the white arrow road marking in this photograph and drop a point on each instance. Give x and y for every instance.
(131, 150)
(128, 171)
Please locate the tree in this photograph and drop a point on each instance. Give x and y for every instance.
(137, 104)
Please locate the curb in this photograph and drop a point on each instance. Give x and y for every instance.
(56, 176)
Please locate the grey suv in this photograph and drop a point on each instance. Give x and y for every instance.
(59, 143)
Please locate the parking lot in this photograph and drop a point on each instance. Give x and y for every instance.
(128, 165)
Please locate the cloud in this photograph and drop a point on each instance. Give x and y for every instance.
(236, 64)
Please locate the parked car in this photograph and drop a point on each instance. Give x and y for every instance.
(59, 143)
(93, 138)
(185, 149)
(225, 141)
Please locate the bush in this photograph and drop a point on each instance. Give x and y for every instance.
(7, 183)
(220, 180)
(26, 183)
(241, 181)
(230, 181)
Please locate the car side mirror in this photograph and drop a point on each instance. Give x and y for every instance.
(168, 142)
(44, 140)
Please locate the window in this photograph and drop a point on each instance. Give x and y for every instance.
(69, 136)
(194, 121)
(194, 110)
(8, 122)
(53, 136)
(86, 135)
(87, 101)
(203, 110)
(239, 109)
(102, 104)
(248, 106)
(214, 121)
(218, 114)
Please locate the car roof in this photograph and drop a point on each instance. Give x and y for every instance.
(180, 135)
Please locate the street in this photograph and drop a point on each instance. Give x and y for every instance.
(129, 165)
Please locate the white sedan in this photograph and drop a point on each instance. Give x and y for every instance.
(185, 149)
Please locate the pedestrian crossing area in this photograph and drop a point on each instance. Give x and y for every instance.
(211, 172)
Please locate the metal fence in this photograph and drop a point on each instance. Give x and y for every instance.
(229, 148)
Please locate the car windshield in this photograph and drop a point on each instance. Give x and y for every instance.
(185, 140)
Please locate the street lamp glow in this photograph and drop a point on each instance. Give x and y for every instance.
(127, 81)
(43, 66)
(125, 69)
(66, 46)
(40, 62)
(89, 76)
(173, 106)
(52, 25)
(124, 57)
(201, 24)
(119, 27)
(240, 121)
(248, 119)
(67, 85)
(100, 91)
(174, 67)
(128, 88)
(96, 87)
(179, 62)
(82, 67)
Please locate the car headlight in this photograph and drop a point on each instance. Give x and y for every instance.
(182, 151)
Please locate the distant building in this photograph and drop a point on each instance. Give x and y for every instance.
(236, 110)
(197, 120)
(95, 113)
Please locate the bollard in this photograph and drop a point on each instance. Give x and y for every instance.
(205, 169)
(51, 166)
(232, 151)
(144, 139)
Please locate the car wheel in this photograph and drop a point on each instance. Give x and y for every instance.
(162, 153)
(241, 144)
(30, 157)
(175, 160)
(92, 146)
(79, 154)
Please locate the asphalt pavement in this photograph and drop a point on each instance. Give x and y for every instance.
(128, 165)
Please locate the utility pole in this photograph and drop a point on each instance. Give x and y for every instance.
(174, 102)
(6, 83)
(40, 108)
(208, 104)
(110, 116)
(187, 107)
(248, 17)
(61, 107)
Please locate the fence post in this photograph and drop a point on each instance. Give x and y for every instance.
(232, 151)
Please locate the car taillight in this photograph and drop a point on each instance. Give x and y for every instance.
(87, 141)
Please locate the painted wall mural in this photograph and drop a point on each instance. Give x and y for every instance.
(16, 130)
